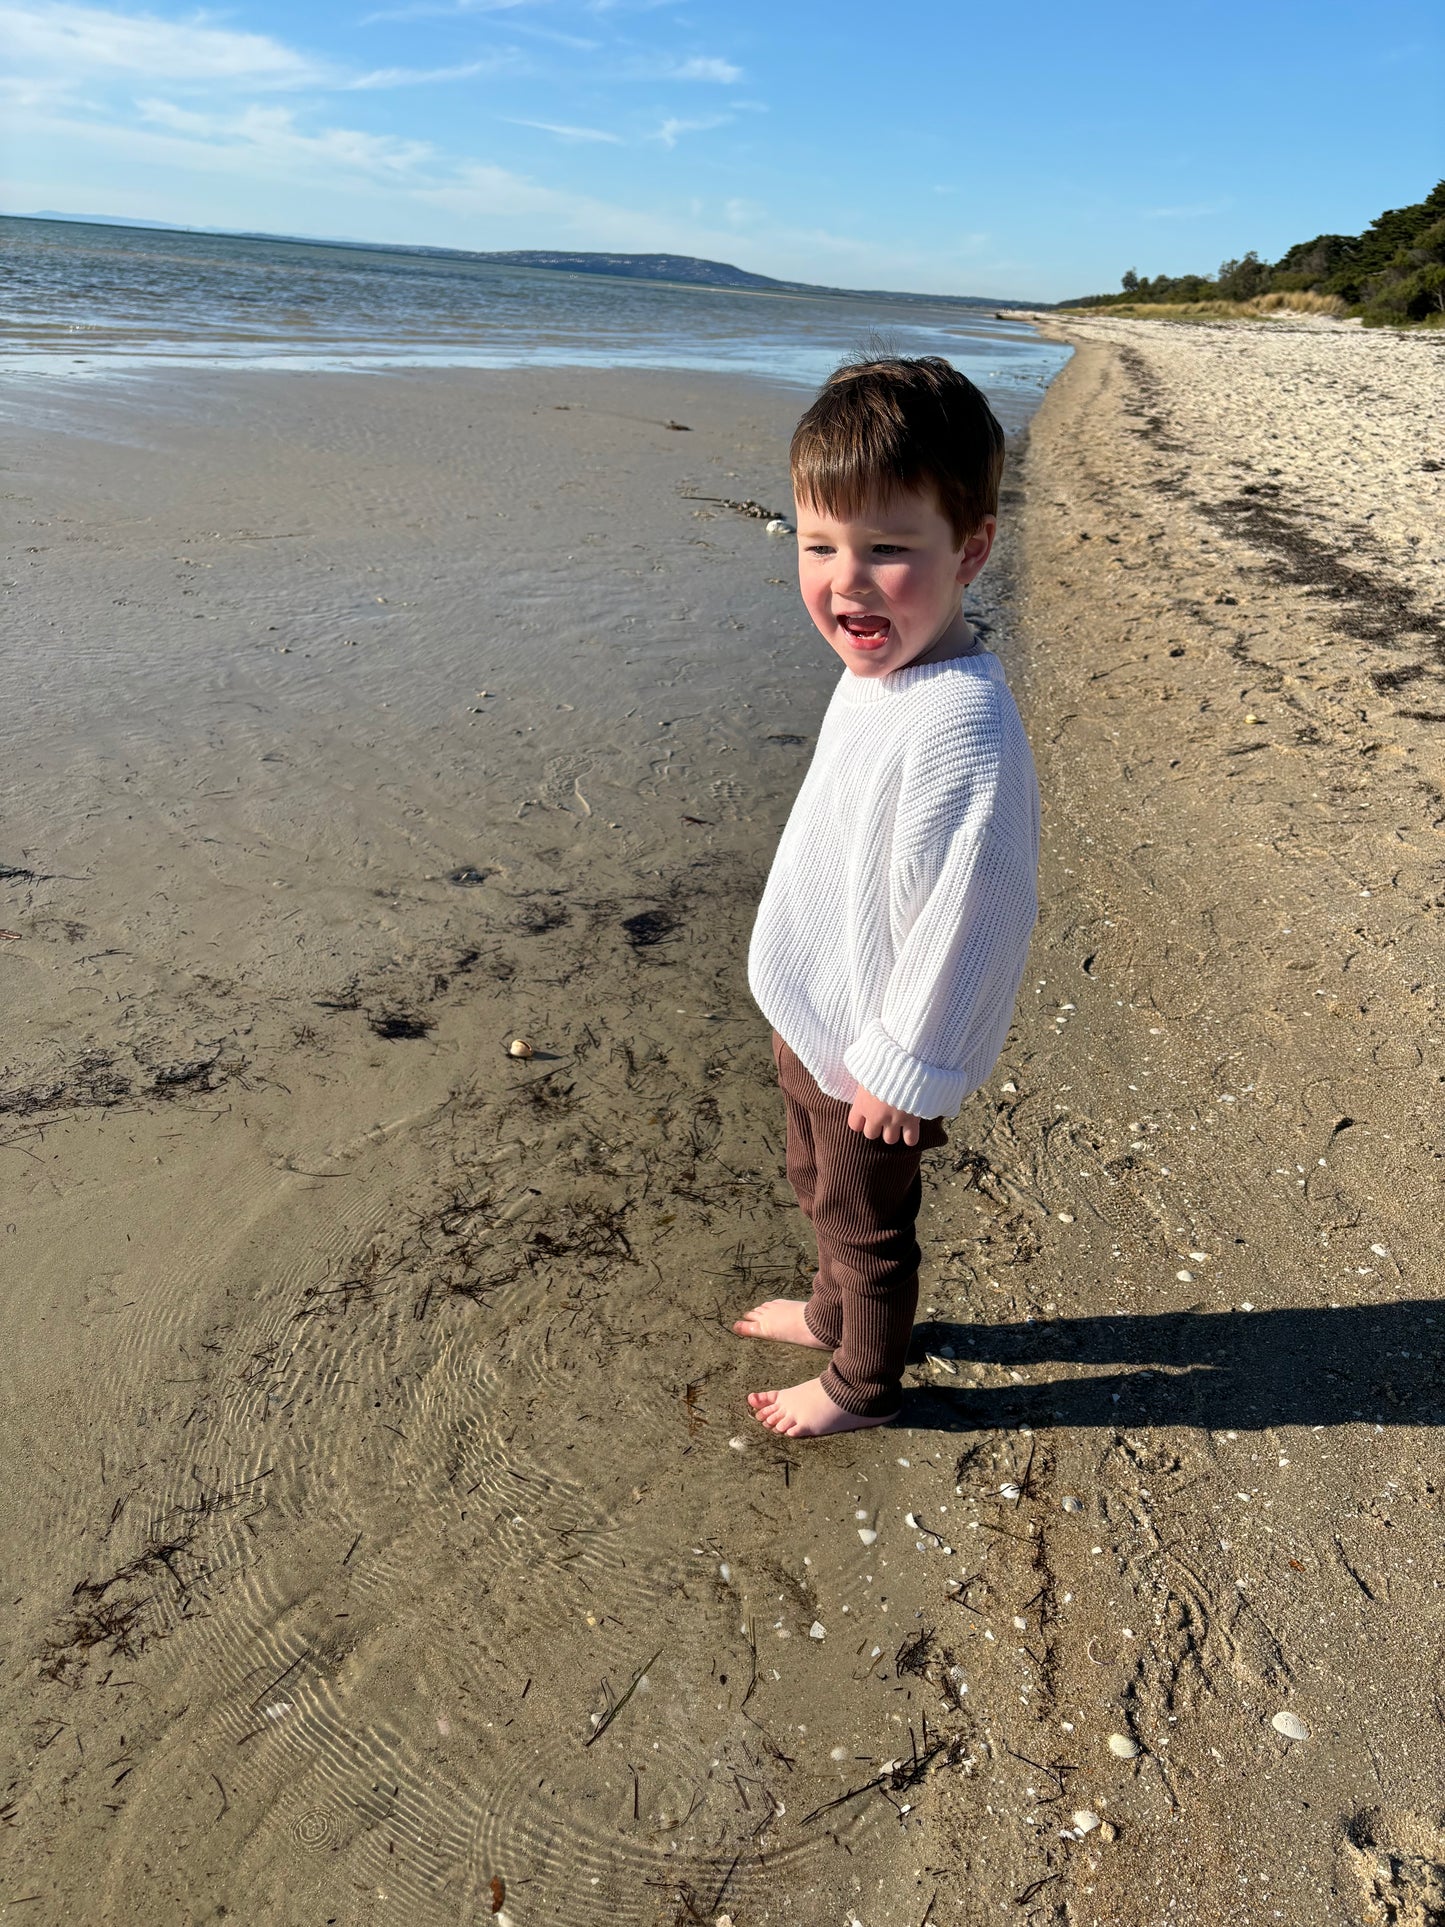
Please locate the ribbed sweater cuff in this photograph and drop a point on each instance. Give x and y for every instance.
(890, 1073)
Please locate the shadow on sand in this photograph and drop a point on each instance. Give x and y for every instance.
(1358, 1364)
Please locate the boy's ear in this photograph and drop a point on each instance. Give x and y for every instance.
(976, 549)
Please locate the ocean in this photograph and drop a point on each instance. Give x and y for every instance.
(77, 300)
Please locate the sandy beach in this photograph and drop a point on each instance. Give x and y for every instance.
(388, 1537)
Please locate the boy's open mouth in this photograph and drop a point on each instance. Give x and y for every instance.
(867, 632)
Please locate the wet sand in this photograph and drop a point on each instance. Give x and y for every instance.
(389, 1538)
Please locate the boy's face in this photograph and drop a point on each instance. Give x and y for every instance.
(883, 588)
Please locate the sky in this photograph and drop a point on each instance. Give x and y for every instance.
(939, 146)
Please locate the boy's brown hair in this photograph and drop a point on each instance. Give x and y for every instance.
(885, 428)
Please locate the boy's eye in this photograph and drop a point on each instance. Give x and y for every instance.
(819, 548)
(889, 548)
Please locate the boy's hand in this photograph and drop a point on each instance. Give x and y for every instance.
(874, 1118)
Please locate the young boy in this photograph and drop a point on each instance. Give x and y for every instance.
(893, 931)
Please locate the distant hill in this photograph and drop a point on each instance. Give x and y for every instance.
(687, 268)
(684, 270)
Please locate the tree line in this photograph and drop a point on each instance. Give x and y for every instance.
(1391, 275)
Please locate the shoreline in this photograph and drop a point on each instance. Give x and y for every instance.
(410, 1362)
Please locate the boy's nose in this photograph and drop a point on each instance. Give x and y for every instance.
(853, 577)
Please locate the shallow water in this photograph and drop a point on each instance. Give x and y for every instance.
(80, 299)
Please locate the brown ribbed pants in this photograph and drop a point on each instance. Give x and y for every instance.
(861, 1197)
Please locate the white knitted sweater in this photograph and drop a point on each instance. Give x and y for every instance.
(894, 928)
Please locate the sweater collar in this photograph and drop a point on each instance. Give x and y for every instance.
(857, 691)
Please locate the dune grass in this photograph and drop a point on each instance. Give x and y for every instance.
(1260, 308)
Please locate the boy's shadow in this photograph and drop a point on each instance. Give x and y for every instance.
(1360, 1364)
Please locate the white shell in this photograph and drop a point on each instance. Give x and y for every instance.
(867, 1535)
(1066, 1217)
(1185, 1277)
(519, 1047)
(817, 1630)
(1008, 1490)
(1085, 1820)
(1072, 1505)
(1123, 1748)
(725, 1572)
(1290, 1726)
(839, 1753)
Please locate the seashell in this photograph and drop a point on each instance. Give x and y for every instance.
(1108, 1831)
(860, 1514)
(1008, 1490)
(942, 1364)
(519, 1047)
(1085, 1820)
(1021, 1625)
(1072, 1505)
(817, 1630)
(1123, 1748)
(1066, 1217)
(1290, 1726)
(737, 1445)
(725, 1573)
(867, 1535)
(911, 1521)
(839, 1753)
(779, 527)
(1185, 1277)
(1012, 1089)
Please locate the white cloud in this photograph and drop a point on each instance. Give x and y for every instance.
(670, 129)
(570, 133)
(701, 68)
(706, 67)
(425, 76)
(268, 139)
(76, 41)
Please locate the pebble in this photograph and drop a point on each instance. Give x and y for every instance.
(1123, 1748)
(1072, 1505)
(1085, 1820)
(725, 1573)
(1011, 1089)
(519, 1047)
(737, 1445)
(817, 1630)
(867, 1535)
(839, 1753)
(1290, 1726)
(1066, 1217)
(778, 527)
(1008, 1490)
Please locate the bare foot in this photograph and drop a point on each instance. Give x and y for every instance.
(806, 1412)
(779, 1318)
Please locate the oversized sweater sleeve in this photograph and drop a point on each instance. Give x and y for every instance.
(963, 889)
